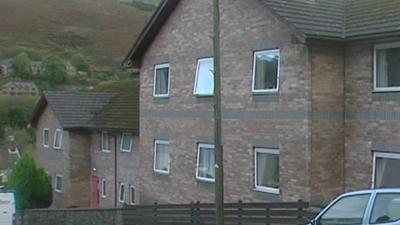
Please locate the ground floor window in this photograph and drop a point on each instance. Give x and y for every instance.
(205, 162)
(121, 192)
(103, 188)
(267, 170)
(161, 156)
(59, 183)
(132, 195)
(386, 170)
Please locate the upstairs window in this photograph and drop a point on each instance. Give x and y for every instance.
(57, 139)
(387, 67)
(46, 137)
(205, 162)
(59, 183)
(204, 82)
(161, 80)
(266, 71)
(105, 142)
(386, 170)
(161, 157)
(126, 142)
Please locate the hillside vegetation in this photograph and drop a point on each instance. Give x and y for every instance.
(103, 30)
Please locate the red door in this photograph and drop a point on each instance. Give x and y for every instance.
(95, 192)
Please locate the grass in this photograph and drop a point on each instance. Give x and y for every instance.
(103, 30)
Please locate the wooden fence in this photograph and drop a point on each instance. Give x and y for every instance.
(282, 213)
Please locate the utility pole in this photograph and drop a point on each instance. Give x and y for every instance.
(219, 165)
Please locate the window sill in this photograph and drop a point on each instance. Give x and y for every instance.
(59, 191)
(105, 151)
(266, 92)
(162, 172)
(268, 190)
(125, 151)
(103, 196)
(386, 90)
(161, 96)
(46, 146)
(206, 180)
(204, 95)
(57, 149)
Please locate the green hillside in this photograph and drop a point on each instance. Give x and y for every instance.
(103, 30)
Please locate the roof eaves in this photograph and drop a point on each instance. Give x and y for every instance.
(299, 34)
(160, 16)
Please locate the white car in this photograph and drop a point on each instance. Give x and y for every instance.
(369, 207)
(7, 209)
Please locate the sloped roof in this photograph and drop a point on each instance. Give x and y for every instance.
(21, 84)
(73, 109)
(340, 19)
(122, 112)
(113, 107)
(321, 19)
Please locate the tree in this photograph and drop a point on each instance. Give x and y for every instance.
(22, 65)
(80, 63)
(32, 184)
(54, 70)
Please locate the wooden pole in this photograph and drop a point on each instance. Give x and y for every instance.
(219, 166)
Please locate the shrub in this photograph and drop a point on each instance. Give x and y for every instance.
(32, 184)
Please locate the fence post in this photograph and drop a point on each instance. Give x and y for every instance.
(267, 213)
(300, 209)
(240, 208)
(192, 209)
(198, 212)
(155, 213)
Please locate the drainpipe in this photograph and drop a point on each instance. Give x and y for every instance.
(115, 173)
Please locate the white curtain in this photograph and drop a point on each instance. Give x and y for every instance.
(268, 170)
(207, 162)
(162, 81)
(382, 70)
(379, 172)
(162, 157)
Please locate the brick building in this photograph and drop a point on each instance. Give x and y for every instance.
(87, 143)
(20, 88)
(309, 95)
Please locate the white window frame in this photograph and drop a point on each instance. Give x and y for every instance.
(59, 176)
(257, 53)
(161, 142)
(48, 137)
(103, 186)
(119, 193)
(264, 188)
(130, 194)
(102, 142)
(199, 146)
(380, 47)
(197, 76)
(161, 66)
(381, 155)
(122, 141)
(55, 139)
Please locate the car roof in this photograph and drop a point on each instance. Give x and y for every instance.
(370, 191)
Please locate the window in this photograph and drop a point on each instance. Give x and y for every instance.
(105, 141)
(267, 170)
(59, 183)
(121, 192)
(132, 199)
(386, 208)
(205, 162)
(161, 80)
(204, 83)
(387, 67)
(386, 167)
(126, 143)
(161, 157)
(346, 211)
(266, 71)
(103, 188)
(57, 139)
(46, 137)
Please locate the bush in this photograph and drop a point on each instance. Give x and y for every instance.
(22, 65)
(80, 63)
(54, 70)
(32, 184)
